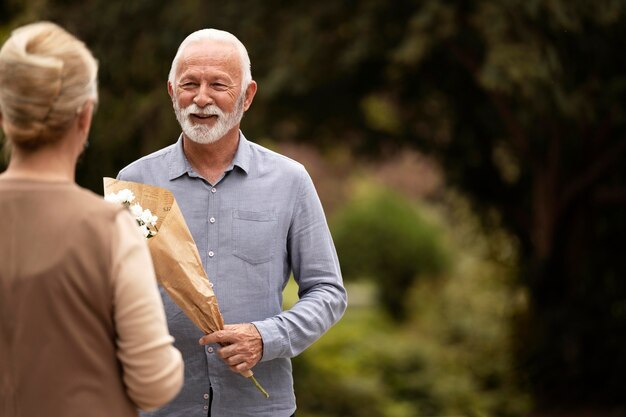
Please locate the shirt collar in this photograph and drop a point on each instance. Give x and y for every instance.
(179, 165)
(243, 154)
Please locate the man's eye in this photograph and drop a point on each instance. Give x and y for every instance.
(219, 86)
(188, 85)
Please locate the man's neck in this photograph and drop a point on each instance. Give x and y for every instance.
(211, 160)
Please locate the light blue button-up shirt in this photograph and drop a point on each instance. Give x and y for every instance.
(259, 224)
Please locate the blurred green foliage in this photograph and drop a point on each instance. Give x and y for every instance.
(384, 237)
(520, 101)
(451, 356)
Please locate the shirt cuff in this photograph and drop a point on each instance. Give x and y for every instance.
(273, 343)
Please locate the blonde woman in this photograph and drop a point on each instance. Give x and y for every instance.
(82, 326)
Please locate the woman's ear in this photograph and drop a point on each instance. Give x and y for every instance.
(85, 116)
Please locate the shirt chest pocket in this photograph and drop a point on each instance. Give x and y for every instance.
(254, 235)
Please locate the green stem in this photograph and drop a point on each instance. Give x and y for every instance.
(259, 387)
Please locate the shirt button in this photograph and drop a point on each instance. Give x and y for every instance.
(206, 407)
(211, 254)
(206, 396)
(213, 190)
(209, 349)
(212, 220)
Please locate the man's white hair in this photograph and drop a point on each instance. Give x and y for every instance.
(215, 35)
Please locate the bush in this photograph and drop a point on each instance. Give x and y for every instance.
(385, 238)
(452, 354)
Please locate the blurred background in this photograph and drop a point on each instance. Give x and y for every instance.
(470, 159)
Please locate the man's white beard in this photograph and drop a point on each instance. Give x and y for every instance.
(204, 134)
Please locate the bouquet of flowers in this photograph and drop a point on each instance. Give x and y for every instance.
(174, 253)
(144, 218)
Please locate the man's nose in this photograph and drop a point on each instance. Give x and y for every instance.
(203, 97)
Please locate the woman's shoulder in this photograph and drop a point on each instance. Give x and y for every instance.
(91, 202)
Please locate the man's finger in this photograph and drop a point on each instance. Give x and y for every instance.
(219, 336)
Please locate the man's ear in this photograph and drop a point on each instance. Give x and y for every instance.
(250, 92)
(170, 90)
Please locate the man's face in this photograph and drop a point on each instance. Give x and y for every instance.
(207, 98)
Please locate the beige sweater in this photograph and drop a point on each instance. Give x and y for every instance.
(82, 327)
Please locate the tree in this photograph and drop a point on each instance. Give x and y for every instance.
(520, 100)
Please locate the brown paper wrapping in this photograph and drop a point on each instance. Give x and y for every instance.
(177, 263)
(176, 260)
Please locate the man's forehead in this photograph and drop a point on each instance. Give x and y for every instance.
(209, 49)
(203, 53)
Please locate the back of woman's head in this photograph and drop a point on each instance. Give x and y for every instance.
(46, 77)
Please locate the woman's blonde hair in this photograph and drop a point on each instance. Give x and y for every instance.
(46, 77)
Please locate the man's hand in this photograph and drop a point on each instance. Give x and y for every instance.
(241, 345)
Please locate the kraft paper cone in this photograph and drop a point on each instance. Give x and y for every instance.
(176, 260)
(177, 263)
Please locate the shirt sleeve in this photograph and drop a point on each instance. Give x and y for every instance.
(315, 266)
(152, 366)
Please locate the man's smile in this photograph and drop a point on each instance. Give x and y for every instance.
(202, 117)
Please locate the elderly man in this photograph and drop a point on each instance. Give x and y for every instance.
(256, 219)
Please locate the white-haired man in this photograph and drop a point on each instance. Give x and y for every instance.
(256, 219)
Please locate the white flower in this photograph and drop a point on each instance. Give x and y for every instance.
(144, 231)
(136, 210)
(144, 218)
(112, 198)
(124, 197)
(148, 218)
